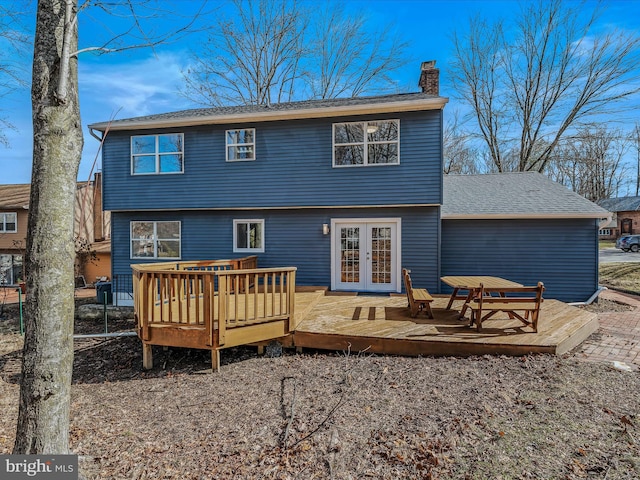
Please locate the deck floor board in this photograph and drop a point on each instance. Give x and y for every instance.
(385, 325)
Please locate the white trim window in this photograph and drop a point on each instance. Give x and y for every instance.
(248, 235)
(157, 154)
(366, 143)
(151, 239)
(8, 222)
(241, 144)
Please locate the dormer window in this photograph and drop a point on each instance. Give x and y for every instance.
(366, 143)
(241, 145)
(157, 154)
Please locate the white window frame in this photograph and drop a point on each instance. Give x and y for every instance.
(157, 154)
(155, 240)
(3, 222)
(365, 143)
(238, 145)
(238, 221)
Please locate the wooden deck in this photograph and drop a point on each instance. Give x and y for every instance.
(384, 325)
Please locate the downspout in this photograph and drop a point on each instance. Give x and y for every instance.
(591, 298)
(94, 135)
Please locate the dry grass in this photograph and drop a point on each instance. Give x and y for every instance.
(621, 276)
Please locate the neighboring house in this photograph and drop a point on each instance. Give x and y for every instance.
(14, 205)
(91, 224)
(626, 212)
(349, 191)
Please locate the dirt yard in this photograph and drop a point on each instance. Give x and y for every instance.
(344, 415)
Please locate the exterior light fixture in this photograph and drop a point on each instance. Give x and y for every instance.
(325, 229)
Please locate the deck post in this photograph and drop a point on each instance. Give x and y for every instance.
(215, 360)
(147, 356)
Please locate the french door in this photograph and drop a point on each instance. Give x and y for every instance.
(366, 255)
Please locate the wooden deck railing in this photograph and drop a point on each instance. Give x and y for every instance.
(212, 304)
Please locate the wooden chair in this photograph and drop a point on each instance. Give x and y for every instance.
(522, 303)
(418, 298)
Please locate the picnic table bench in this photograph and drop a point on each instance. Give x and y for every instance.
(418, 298)
(522, 303)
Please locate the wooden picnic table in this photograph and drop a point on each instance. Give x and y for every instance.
(472, 284)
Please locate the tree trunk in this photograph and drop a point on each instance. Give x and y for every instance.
(43, 420)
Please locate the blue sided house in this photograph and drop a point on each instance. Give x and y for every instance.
(349, 191)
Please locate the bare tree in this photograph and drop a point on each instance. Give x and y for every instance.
(252, 58)
(460, 156)
(269, 51)
(348, 59)
(43, 417)
(591, 162)
(544, 81)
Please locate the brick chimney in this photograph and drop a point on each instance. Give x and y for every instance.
(429, 78)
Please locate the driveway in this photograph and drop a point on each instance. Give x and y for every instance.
(615, 255)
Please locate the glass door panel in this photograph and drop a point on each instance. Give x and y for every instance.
(350, 255)
(381, 255)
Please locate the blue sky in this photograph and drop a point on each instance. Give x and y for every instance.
(141, 82)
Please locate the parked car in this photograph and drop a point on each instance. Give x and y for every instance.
(628, 242)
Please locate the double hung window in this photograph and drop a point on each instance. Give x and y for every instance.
(155, 239)
(241, 144)
(248, 235)
(157, 154)
(8, 222)
(366, 143)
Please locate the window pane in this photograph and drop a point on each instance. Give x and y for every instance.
(240, 153)
(170, 163)
(17, 268)
(168, 230)
(142, 230)
(240, 136)
(349, 133)
(144, 144)
(5, 270)
(351, 155)
(170, 143)
(382, 131)
(383, 153)
(144, 164)
(168, 249)
(241, 235)
(142, 248)
(255, 235)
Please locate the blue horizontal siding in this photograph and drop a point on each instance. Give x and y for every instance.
(561, 253)
(292, 238)
(293, 167)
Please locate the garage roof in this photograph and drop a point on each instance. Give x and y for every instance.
(513, 195)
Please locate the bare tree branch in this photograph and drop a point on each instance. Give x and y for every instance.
(553, 77)
(274, 51)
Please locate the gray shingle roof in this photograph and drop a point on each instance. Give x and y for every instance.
(303, 109)
(621, 204)
(513, 195)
